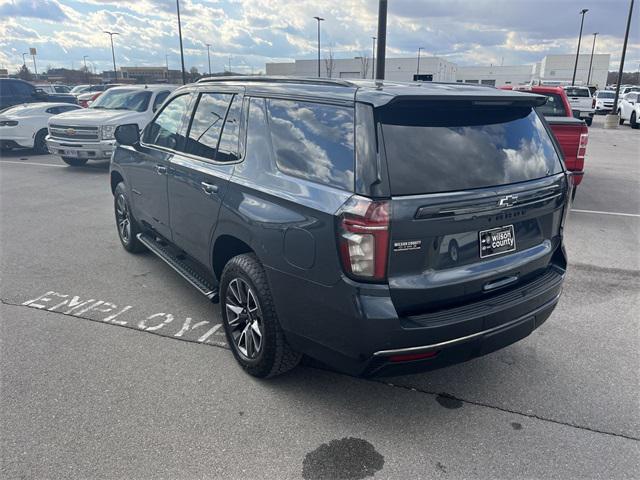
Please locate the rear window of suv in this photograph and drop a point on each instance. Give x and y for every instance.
(443, 147)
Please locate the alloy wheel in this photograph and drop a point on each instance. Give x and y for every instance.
(123, 219)
(244, 318)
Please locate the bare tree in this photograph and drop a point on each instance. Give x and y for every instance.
(24, 73)
(329, 62)
(364, 65)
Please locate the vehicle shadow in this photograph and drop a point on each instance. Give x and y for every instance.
(28, 154)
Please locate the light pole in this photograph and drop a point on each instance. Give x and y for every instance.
(624, 52)
(209, 57)
(86, 72)
(418, 69)
(593, 47)
(382, 38)
(184, 79)
(373, 59)
(24, 62)
(113, 53)
(575, 68)
(319, 19)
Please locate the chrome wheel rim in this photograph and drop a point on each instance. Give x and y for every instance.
(123, 219)
(244, 318)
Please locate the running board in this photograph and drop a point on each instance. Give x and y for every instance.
(181, 265)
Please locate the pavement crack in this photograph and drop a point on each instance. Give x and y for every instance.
(507, 410)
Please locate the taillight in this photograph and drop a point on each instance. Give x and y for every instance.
(582, 145)
(593, 103)
(363, 237)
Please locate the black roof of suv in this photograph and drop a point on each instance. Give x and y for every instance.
(375, 226)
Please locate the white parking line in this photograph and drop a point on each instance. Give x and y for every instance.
(606, 213)
(32, 163)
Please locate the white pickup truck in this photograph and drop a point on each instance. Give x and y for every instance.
(583, 105)
(87, 134)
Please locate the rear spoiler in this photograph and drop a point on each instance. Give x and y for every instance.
(564, 121)
(491, 97)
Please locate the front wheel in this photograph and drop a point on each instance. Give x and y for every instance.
(128, 228)
(74, 162)
(250, 321)
(621, 121)
(633, 121)
(39, 142)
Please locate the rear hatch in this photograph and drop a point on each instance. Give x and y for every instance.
(478, 192)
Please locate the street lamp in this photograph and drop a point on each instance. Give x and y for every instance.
(418, 69)
(113, 53)
(319, 19)
(86, 72)
(382, 38)
(575, 68)
(209, 57)
(184, 79)
(593, 47)
(373, 59)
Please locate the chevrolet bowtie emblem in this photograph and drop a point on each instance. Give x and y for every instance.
(70, 131)
(508, 201)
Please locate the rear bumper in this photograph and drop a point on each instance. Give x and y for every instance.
(356, 329)
(91, 150)
(582, 114)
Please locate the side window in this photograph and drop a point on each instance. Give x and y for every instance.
(68, 108)
(164, 130)
(23, 89)
(313, 141)
(228, 149)
(206, 125)
(53, 110)
(160, 97)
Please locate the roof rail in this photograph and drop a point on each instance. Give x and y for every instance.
(279, 79)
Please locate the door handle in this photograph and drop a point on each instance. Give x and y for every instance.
(209, 188)
(161, 169)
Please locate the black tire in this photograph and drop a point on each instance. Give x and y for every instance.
(621, 121)
(588, 121)
(632, 121)
(127, 227)
(74, 162)
(39, 142)
(273, 356)
(573, 194)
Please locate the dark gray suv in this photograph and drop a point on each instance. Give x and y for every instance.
(377, 227)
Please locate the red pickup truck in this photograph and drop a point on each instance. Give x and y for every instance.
(572, 133)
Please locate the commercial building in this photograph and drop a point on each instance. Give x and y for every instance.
(552, 69)
(434, 69)
(150, 74)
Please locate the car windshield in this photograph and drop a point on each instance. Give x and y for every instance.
(606, 95)
(79, 88)
(136, 100)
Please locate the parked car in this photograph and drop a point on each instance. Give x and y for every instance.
(627, 110)
(25, 125)
(15, 92)
(604, 101)
(52, 88)
(87, 134)
(572, 133)
(582, 103)
(86, 99)
(80, 89)
(315, 211)
(628, 89)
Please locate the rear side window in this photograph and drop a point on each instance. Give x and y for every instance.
(228, 148)
(443, 147)
(22, 88)
(164, 130)
(206, 125)
(160, 97)
(313, 141)
(554, 106)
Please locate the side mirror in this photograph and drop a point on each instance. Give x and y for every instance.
(128, 134)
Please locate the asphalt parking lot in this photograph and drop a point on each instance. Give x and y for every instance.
(112, 366)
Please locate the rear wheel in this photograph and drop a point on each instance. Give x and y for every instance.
(39, 143)
(621, 121)
(128, 228)
(588, 121)
(633, 121)
(250, 321)
(74, 162)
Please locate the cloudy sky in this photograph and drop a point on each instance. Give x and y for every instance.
(249, 33)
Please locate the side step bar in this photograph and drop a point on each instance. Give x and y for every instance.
(189, 273)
